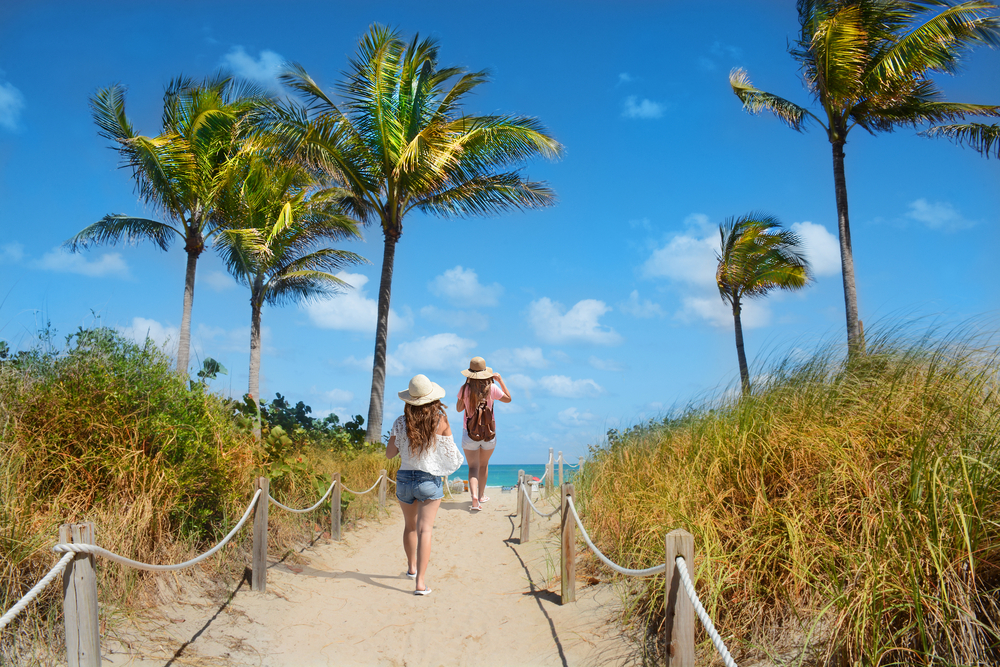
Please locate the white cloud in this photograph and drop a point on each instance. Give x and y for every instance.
(351, 311)
(440, 352)
(646, 109)
(685, 259)
(573, 417)
(11, 104)
(580, 324)
(11, 253)
(468, 320)
(520, 382)
(61, 260)
(218, 281)
(625, 77)
(518, 358)
(264, 70)
(364, 364)
(165, 337)
(938, 215)
(462, 288)
(822, 248)
(753, 314)
(339, 396)
(643, 308)
(217, 339)
(565, 387)
(605, 364)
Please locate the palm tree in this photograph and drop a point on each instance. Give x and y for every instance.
(978, 136)
(180, 173)
(400, 142)
(756, 256)
(867, 63)
(277, 242)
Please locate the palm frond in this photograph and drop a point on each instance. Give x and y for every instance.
(756, 101)
(299, 286)
(487, 195)
(117, 228)
(985, 139)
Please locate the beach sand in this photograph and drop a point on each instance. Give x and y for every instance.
(494, 603)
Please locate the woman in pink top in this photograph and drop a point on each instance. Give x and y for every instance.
(478, 388)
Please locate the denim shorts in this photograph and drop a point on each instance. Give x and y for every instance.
(418, 485)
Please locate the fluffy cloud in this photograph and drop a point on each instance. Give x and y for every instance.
(440, 352)
(11, 104)
(573, 417)
(352, 310)
(822, 248)
(685, 258)
(645, 109)
(11, 253)
(339, 396)
(605, 364)
(715, 311)
(468, 320)
(938, 215)
(61, 260)
(521, 383)
(566, 387)
(519, 358)
(364, 364)
(625, 77)
(579, 325)
(264, 70)
(640, 308)
(462, 288)
(163, 336)
(218, 281)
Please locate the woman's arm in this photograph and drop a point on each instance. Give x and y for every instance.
(506, 394)
(391, 450)
(460, 402)
(443, 427)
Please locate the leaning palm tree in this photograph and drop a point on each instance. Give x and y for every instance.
(985, 139)
(399, 141)
(277, 242)
(868, 63)
(756, 256)
(179, 173)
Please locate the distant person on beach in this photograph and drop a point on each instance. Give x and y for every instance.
(475, 399)
(420, 436)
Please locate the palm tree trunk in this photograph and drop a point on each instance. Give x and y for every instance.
(184, 338)
(854, 341)
(256, 305)
(374, 432)
(740, 352)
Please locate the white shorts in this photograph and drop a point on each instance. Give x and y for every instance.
(469, 443)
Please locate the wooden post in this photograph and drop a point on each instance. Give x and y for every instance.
(520, 491)
(80, 613)
(383, 483)
(560, 470)
(679, 610)
(258, 578)
(335, 508)
(525, 519)
(550, 474)
(567, 562)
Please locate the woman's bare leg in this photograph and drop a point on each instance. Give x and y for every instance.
(426, 512)
(472, 458)
(410, 520)
(484, 471)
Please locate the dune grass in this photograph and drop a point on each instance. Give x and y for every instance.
(843, 514)
(105, 431)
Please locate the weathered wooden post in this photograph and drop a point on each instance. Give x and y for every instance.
(525, 518)
(679, 609)
(383, 483)
(550, 474)
(258, 577)
(80, 613)
(560, 470)
(520, 491)
(335, 508)
(567, 562)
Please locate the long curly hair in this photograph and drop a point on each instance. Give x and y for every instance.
(421, 421)
(478, 391)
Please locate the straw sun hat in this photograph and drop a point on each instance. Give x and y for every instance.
(422, 391)
(478, 370)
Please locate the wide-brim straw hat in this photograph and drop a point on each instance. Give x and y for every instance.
(478, 370)
(422, 391)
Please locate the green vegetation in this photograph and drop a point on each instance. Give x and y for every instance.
(105, 430)
(843, 513)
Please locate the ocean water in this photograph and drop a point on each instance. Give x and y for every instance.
(506, 475)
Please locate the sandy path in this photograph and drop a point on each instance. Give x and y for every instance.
(495, 602)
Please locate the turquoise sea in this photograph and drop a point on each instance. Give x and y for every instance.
(506, 475)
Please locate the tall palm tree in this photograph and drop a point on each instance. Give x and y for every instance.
(400, 142)
(978, 136)
(277, 242)
(756, 255)
(868, 63)
(179, 173)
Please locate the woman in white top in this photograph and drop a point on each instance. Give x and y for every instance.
(421, 428)
(477, 389)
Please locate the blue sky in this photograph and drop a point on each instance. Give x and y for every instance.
(600, 311)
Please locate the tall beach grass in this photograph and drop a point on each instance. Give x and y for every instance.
(843, 513)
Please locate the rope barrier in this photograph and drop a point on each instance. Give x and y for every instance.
(617, 568)
(702, 614)
(98, 551)
(361, 493)
(310, 509)
(544, 516)
(30, 595)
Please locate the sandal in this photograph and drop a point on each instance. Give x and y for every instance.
(483, 499)
(411, 575)
(426, 591)
(476, 509)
